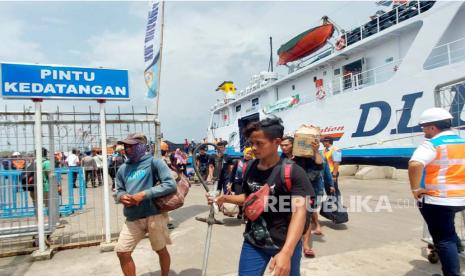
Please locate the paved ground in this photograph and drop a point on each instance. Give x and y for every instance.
(372, 243)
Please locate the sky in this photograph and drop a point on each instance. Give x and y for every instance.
(205, 43)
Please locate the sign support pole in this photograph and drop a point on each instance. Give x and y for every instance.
(106, 188)
(39, 173)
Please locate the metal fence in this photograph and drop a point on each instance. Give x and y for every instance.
(73, 204)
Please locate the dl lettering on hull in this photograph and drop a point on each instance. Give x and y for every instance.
(384, 108)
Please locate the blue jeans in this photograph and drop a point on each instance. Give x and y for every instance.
(440, 221)
(253, 260)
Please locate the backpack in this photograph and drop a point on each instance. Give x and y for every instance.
(175, 200)
(255, 204)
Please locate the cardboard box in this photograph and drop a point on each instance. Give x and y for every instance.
(303, 139)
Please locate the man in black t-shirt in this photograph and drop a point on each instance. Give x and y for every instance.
(203, 161)
(312, 167)
(221, 166)
(276, 234)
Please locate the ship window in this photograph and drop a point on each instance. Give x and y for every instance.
(337, 71)
(254, 102)
(293, 87)
(389, 59)
(324, 73)
(238, 108)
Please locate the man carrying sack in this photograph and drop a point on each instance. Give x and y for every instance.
(136, 191)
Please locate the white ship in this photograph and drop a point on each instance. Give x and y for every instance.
(369, 94)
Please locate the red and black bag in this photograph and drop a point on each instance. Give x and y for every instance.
(256, 203)
(175, 200)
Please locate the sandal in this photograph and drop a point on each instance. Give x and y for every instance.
(308, 253)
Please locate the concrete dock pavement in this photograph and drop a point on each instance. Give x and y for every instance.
(372, 243)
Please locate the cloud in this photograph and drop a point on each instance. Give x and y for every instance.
(205, 43)
(121, 50)
(15, 46)
(53, 21)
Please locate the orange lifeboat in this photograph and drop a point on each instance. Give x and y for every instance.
(305, 43)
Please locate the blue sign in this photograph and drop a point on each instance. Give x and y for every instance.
(62, 82)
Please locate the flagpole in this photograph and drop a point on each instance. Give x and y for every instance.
(157, 102)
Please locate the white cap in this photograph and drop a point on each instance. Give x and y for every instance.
(16, 153)
(434, 114)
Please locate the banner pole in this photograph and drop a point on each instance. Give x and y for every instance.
(157, 101)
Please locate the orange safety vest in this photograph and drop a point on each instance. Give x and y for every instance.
(445, 175)
(19, 164)
(329, 157)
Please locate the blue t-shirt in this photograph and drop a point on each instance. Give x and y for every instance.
(133, 178)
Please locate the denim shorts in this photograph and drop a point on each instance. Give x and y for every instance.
(254, 260)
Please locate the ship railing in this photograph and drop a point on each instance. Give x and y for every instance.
(355, 81)
(378, 23)
(446, 54)
(386, 20)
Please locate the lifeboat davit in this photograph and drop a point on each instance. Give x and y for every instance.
(305, 43)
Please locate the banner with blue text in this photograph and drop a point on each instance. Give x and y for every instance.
(152, 49)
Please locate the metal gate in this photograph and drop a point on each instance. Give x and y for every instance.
(74, 210)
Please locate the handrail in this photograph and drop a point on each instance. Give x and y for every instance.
(359, 76)
(448, 43)
(449, 56)
(356, 81)
(381, 22)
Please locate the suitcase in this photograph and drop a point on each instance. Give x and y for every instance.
(333, 210)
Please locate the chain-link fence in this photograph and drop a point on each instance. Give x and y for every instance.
(73, 187)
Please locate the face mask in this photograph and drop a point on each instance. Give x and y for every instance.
(138, 150)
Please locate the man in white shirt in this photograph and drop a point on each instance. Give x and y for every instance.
(437, 180)
(73, 161)
(96, 154)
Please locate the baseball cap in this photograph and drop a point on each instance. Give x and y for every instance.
(134, 138)
(327, 139)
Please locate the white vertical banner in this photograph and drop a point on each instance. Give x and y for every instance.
(152, 49)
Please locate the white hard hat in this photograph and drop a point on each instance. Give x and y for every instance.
(434, 114)
(16, 153)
